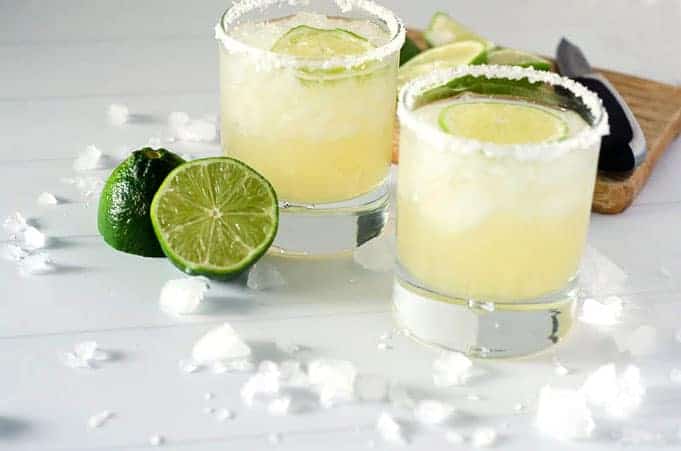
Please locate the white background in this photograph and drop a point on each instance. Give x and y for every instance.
(62, 63)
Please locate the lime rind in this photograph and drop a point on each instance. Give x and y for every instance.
(215, 217)
(513, 57)
(443, 30)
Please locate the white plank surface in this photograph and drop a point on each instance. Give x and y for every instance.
(65, 62)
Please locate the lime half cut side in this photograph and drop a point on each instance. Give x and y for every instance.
(443, 30)
(447, 56)
(502, 122)
(513, 57)
(310, 42)
(215, 217)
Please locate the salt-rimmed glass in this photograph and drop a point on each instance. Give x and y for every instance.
(490, 236)
(320, 129)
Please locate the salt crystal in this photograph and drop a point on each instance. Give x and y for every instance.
(334, 380)
(453, 437)
(451, 368)
(99, 419)
(432, 412)
(606, 313)
(287, 346)
(118, 114)
(675, 376)
(220, 344)
(32, 238)
(639, 342)
(564, 414)
(265, 277)
(390, 430)
(183, 296)
(39, 263)
(154, 142)
(13, 252)
(46, 198)
(189, 366)
(483, 437)
(371, 387)
(279, 406)
(619, 396)
(223, 414)
(274, 438)
(89, 159)
(156, 440)
(377, 254)
(15, 223)
(399, 397)
(208, 396)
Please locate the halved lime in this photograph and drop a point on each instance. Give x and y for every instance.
(443, 30)
(310, 42)
(513, 57)
(502, 122)
(450, 55)
(215, 217)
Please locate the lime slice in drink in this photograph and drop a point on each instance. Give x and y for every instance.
(309, 42)
(215, 217)
(445, 30)
(450, 55)
(502, 122)
(512, 57)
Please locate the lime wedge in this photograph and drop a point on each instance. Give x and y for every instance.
(450, 55)
(409, 50)
(502, 123)
(309, 42)
(512, 57)
(445, 30)
(215, 217)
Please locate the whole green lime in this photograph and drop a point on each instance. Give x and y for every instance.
(123, 219)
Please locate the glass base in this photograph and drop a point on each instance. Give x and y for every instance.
(483, 329)
(333, 228)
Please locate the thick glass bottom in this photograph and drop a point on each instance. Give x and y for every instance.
(333, 228)
(483, 328)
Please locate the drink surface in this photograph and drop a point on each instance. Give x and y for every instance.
(319, 136)
(493, 227)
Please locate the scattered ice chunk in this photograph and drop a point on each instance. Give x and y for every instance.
(639, 342)
(88, 159)
(287, 346)
(176, 120)
(99, 419)
(473, 397)
(46, 198)
(371, 387)
(89, 186)
(73, 360)
(156, 440)
(34, 264)
(559, 369)
(189, 366)
(263, 276)
(13, 252)
(383, 346)
(451, 368)
(606, 313)
(208, 396)
(183, 296)
(232, 366)
(665, 272)
(454, 438)
(32, 238)
(564, 414)
(400, 397)
(279, 406)
(223, 414)
(154, 142)
(274, 438)
(675, 375)
(519, 407)
(292, 375)
(220, 344)
(484, 437)
(14, 224)
(197, 130)
(390, 430)
(371, 444)
(89, 350)
(118, 114)
(638, 437)
(377, 254)
(618, 396)
(599, 275)
(432, 412)
(209, 410)
(261, 386)
(333, 379)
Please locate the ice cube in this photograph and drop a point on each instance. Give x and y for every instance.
(156, 440)
(39, 263)
(563, 414)
(223, 414)
(32, 238)
(99, 419)
(263, 276)
(154, 142)
(483, 437)
(88, 159)
(46, 198)
(432, 412)
(279, 406)
(606, 313)
(183, 296)
(377, 254)
(14, 224)
(333, 379)
(13, 252)
(619, 396)
(220, 344)
(451, 368)
(118, 114)
(453, 437)
(639, 342)
(675, 375)
(189, 366)
(390, 430)
(371, 387)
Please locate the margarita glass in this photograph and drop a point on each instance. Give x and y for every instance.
(308, 100)
(496, 176)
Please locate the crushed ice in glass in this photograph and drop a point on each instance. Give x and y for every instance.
(183, 296)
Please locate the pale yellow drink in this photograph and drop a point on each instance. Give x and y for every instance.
(319, 135)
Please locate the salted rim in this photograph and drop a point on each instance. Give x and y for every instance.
(395, 27)
(584, 139)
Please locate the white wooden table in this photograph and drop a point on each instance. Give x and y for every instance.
(61, 65)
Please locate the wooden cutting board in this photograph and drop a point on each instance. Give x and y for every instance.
(657, 106)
